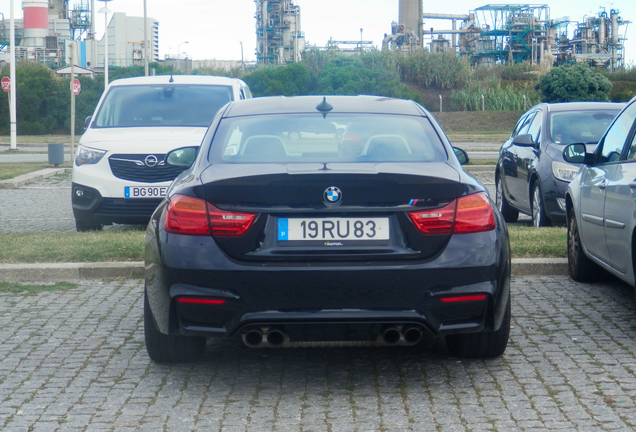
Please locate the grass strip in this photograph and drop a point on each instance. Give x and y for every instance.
(482, 162)
(530, 242)
(12, 170)
(112, 246)
(98, 246)
(33, 289)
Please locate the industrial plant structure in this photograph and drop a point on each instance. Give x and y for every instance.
(279, 38)
(53, 32)
(512, 33)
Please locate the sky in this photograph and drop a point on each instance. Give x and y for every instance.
(214, 29)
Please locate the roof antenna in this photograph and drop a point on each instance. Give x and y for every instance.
(324, 107)
(171, 79)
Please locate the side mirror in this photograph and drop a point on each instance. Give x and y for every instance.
(524, 140)
(183, 157)
(462, 156)
(576, 153)
(87, 122)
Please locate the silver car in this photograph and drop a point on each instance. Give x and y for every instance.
(601, 203)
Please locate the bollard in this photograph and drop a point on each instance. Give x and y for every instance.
(56, 154)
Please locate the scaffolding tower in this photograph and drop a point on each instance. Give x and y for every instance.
(279, 38)
(514, 33)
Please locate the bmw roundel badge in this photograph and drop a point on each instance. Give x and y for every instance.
(332, 195)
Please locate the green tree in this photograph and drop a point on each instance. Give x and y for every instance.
(40, 105)
(570, 83)
(290, 80)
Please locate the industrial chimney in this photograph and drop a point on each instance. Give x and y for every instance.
(36, 23)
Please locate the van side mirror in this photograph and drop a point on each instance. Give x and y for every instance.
(87, 122)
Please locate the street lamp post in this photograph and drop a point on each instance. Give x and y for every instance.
(13, 92)
(146, 47)
(242, 62)
(361, 41)
(179, 49)
(105, 11)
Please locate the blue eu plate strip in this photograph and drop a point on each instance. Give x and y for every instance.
(127, 192)
(283, 229)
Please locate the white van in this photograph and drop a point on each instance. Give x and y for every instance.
(119, 174)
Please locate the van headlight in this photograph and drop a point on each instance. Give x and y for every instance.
(564, 171)
(87, 155)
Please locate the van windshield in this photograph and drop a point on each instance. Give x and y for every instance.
(162, 105)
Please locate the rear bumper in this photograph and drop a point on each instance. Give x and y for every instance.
(300, 298)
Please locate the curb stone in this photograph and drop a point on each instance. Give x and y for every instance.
(135, 269)
(18, 181)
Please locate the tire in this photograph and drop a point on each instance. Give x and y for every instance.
(163, 348)
(509, 214)
(82, 226)
(539, 216)
(580, 267)
(486, 344)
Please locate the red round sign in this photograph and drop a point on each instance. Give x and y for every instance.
(76, 86)
(6, 84)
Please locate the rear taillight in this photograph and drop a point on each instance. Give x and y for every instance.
(438, 221)
(474, 214)
(186, 215)
(467, 214)
(225, 223)
(193, 216)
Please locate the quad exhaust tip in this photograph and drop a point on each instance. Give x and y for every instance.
(261, 337)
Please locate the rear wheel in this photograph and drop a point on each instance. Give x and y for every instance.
(82, 226)
(509, 214)
(539, 216)
(483, 344)
(580, 267)
(163, 348)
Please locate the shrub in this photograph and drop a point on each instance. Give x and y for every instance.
(570, 83)
(496, 97)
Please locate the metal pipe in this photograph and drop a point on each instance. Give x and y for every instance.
(445, 16)
(391, 336)
(253, 338)
(275, 338)
(412, 335)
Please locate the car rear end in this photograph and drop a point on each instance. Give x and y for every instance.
(284, 235)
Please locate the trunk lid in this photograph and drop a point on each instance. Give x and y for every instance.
(378, 196)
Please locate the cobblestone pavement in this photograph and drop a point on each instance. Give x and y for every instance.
(79, 364)
(41, 206)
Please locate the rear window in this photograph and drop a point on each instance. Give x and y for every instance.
(336, 138)
(162, 105)
(571, 127)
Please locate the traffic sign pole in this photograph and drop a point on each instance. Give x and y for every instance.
(12, 93)
(72, 46)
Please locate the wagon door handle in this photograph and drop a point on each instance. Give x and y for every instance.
(603, 185)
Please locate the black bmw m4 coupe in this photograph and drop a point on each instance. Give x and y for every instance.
(309, 221)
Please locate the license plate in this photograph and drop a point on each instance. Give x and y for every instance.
(144, 192)
(333, 229)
